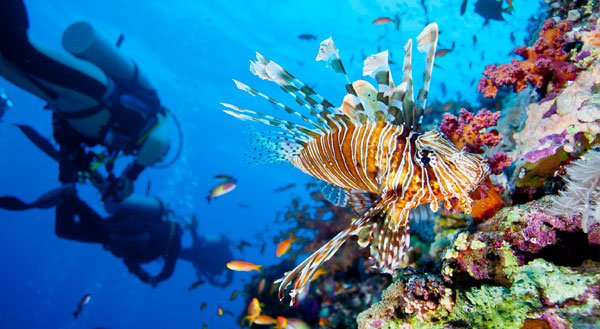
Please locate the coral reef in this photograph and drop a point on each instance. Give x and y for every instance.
(523, 268)
(582, 193)
(555, 133)
(345, 285)
(544, 62)
(473, 133)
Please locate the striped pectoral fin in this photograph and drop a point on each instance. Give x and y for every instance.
(334, 194)
(303, 273)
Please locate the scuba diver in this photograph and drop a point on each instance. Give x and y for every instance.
(139, 233)
(98, 98)
(209, 256)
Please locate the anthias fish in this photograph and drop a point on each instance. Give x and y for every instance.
(369, 152)
(243, 266)
(84, 301)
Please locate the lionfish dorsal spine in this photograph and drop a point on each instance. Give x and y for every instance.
(427, 43)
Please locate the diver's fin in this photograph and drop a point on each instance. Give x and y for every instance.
(334, 194)
(13, 203)
(42, 143)
(49, 199)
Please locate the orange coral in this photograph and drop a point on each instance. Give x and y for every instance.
(544, 62)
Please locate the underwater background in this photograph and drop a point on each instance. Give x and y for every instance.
(191, 51)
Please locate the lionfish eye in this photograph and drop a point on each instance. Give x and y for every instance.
(425, 156)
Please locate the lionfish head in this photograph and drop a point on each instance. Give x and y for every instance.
(452, 172)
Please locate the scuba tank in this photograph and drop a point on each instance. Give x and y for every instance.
(130, 97)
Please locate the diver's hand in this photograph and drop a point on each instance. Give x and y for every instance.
(119, 189)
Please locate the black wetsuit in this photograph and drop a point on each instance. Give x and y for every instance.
(136, 240)
(126, 121)
(16, 48)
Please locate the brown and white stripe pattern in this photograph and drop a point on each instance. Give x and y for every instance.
(378, 157)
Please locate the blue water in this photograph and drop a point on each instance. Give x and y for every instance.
(191, 50)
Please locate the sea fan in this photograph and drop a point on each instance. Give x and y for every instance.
(583, 191)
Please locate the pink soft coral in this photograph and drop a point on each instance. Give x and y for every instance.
(472, 132)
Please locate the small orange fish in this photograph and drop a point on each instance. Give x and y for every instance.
(281, 323)
(382, 20)
(261, 286)
(233, 295)
(220, 190)
(220, 311)
(442, 52)
(285, 245)
(264, 319)
(203, 306)
(253, 311)
(243, 266)
(204, 326)
(324, 321)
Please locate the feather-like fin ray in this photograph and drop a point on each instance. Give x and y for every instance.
(427, 43)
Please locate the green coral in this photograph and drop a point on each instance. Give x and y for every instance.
(535, 287)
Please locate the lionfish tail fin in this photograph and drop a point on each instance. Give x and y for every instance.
(303, 273)
(427, 45)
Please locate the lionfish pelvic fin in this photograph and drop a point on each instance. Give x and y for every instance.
(388, 234)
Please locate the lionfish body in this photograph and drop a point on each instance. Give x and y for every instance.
(369, 151)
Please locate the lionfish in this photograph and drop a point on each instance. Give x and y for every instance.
(369, 153)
